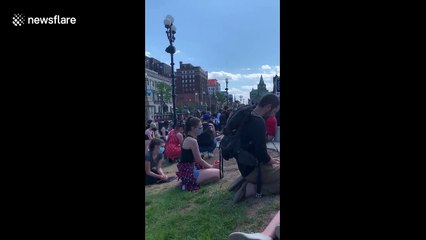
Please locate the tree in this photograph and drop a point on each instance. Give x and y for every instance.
(180, 109)
(165, 91)
(191, 107)
(221, 99)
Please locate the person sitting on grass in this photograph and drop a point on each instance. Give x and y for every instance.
(272, 231)
(174, 142)
(207, 139)
(153, 162)
(164, 131)
(149, 134)
(192, 169)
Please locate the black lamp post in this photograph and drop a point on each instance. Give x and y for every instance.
(170, 32)
(226, 89)
(196, 100)
(161, 104)
(204, 101)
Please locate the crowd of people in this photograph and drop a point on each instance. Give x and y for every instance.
(196, 137)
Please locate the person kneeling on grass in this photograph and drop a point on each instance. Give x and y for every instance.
(253, 141)
(271, 231)
(153, 161)
(192, 169)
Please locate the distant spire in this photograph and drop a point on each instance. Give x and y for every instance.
(261, 80)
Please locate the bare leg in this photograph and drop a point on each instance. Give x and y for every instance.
(208, 175)
(270, 229)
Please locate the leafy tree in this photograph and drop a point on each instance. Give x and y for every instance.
(180, 108)
(165, 91)
(191, 107)
(221, 99)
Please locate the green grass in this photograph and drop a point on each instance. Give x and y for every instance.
(206, 214)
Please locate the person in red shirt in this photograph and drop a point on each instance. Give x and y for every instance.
(271, 127)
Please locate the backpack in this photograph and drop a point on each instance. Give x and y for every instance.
(231, 142)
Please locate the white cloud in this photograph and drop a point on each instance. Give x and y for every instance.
(250, 81)
(247, 69)
(223, 75)
(249, 87)
(267, 75)
(148, 54)
(266, 67)
(178, 51)
(238, 92)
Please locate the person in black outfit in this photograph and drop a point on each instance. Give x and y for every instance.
(192, 169)
(207, 140)
(253, 141)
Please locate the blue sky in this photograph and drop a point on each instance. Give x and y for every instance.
(237, 39)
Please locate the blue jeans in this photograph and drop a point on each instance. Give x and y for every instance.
(208, 148)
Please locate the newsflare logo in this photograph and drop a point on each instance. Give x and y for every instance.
(19, 19)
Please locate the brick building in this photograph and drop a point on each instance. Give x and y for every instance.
(213, 86)
(159, 67)
(191, 85)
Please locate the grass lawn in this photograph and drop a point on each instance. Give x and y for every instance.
(171, 213)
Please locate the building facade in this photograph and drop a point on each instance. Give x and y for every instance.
(276, 81)
(156, 105)
(213, 86)
(191, 86)
(159, 67)
(230, 96)
(257, 94)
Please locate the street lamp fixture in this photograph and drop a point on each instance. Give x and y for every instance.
(226, 89)
(204, 98)
(170, 32)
